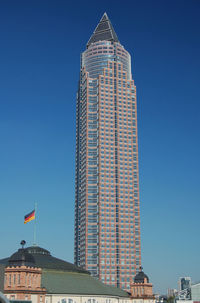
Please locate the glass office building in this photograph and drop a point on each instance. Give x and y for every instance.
(107, 216)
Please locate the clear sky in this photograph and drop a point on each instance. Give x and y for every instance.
(41, 42)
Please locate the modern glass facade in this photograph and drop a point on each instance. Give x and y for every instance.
(107, 217)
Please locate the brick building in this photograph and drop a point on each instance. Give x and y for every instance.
(33, 275)
(107, 209)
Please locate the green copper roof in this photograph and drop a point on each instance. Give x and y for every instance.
(103, 31)
(61, 277)
(62, 282)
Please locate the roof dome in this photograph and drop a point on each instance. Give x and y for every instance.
(44, 259)
(37, 250)
(139, 278)
(39, 257)
(61, 277)
(21, 257)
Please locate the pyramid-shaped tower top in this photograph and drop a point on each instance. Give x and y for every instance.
(103, 31)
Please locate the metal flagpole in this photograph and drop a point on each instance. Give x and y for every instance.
(34, 234)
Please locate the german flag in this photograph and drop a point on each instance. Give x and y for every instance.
(29, 217)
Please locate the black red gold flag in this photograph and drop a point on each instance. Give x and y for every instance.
(29, 217)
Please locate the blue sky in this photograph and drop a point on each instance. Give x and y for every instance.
(41, 42)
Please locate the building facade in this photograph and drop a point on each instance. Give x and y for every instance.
(184, 282)
(191, 294)
(141, 288)
(22, 278)
(107, 216)
(33, 275)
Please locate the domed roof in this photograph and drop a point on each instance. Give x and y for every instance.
(139, 278)
(59, 276)
(44, 259)
(21, 257)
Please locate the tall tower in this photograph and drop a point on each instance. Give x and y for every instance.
(107, 218)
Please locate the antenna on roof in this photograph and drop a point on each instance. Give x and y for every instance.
(34, 232)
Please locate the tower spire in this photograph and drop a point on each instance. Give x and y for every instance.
(103, 31)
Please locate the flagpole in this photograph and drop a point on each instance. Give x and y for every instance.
(34, 232)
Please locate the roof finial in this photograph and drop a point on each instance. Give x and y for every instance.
(105, 14)
(23, 242)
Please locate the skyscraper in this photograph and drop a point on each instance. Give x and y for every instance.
(107, 218)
